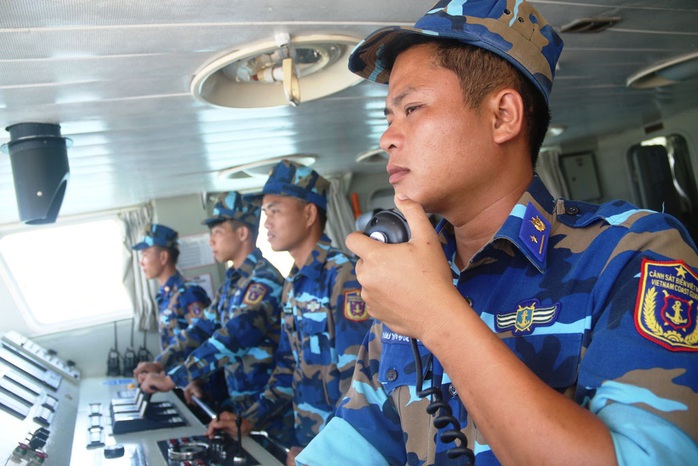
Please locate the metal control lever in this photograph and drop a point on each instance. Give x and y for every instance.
(239, 457)
(262, 433)
(205, 408)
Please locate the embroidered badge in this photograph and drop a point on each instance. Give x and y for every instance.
(194, 309)
(255, 294)
(535, 231)
(354, 306)
(528, 315)
(667, 303)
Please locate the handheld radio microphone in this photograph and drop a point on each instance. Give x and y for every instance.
(390, 226)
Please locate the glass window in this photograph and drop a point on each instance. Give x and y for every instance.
(68, 276)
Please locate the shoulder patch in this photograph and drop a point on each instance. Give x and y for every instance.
(255, 293)
(194, 309)
(667, 303)
(354, 306)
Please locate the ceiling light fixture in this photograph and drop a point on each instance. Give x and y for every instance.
(372, 156)
(277, 72)
(262, 168)
(555, 130)
(666, 72)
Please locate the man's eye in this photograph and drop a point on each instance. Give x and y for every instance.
(409, 110)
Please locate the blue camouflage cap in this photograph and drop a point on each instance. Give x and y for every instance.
(158, 235)
(296, 180)
(232, 206)
(512, 29)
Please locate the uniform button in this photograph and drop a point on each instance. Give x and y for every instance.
(391, 375)
(452, 391)
(571, 210)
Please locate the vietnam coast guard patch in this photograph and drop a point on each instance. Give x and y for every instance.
(194, 309)
(354, 306)
(254, 295)
(667, 303)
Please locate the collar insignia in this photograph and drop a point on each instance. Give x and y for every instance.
(527, 317)
(534, 232)
(667, 305)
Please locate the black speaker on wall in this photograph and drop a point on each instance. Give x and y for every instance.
(40, 170)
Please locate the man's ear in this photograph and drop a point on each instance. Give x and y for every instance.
(163, 256)
(243, 232)
(508, 110)
(311, 213)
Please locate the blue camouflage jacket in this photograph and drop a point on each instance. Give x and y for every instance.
(179, 303)
(239, 334)
(324, 323)
(598, 301)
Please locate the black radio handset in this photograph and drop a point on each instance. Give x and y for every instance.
(390, 226)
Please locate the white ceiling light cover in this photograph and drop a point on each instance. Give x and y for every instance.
(262, 168)
(252, 77)
(667, 72)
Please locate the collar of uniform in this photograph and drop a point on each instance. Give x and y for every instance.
(528, 226)
(172, 283)
(532, 210)
(249, 263)
(316, 261)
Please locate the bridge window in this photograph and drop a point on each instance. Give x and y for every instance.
(67, 276)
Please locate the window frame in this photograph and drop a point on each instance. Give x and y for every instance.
(17, 293)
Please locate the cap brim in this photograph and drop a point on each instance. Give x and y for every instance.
(213, 220)
(254, 198)
(140, 246)
(368, 59)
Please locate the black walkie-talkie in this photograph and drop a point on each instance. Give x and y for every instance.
(113, 363)
(130, 362)
(143, 354)
(390, 226)
(130, 358)
(114, 358)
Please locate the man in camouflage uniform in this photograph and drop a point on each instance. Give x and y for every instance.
(324, 317)
(179, 301)
(570, 335)
(241, 330)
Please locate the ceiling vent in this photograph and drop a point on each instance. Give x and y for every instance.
(262, 168)
(287, 70)
(588, 25)
(666, 72)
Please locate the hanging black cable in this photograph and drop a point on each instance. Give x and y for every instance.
(445, 416)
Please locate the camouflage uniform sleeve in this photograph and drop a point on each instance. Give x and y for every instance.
(246, 329)
(366, 414)
(646, 299)
(351, 321)
(190, 338)
(278, 394)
